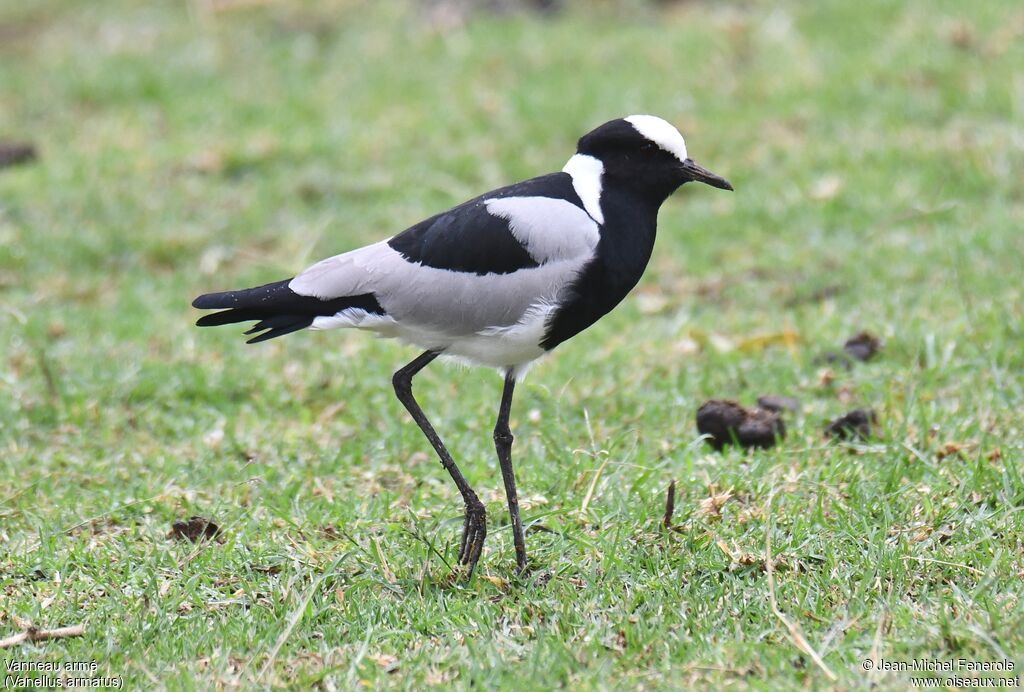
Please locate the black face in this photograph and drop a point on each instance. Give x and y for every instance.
(635, 162)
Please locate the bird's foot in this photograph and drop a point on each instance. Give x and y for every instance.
(522, 568)
(474, 531)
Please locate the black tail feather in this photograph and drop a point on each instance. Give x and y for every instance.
(229, 317)
(277, 309)
(275, 322)
(280, 331)
(267, 295)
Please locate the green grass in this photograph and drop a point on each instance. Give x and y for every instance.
(876, 150)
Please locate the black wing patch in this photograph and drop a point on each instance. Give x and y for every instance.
(468, 238)
(465, 239)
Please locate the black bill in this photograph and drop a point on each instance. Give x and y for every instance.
(703, 175)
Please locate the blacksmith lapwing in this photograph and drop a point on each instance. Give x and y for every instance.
(497, 281)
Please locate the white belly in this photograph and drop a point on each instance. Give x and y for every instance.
(495, 347)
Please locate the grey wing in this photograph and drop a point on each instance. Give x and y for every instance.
(482, 265)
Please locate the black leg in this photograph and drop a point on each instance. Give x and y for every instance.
(474, 529)
(503, 444)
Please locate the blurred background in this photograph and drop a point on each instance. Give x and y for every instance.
(151, 151)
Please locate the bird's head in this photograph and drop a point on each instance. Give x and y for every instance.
(645, 153)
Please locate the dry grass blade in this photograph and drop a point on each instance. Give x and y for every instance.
(33, 634)
(296, 616)
(600, 469)
(794, 632)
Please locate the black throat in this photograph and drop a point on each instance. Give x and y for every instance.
(627, 240)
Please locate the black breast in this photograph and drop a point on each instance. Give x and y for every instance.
(627, 239)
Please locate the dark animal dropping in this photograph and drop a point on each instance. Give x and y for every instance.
(193, 529)
(16, 153)
(863, 346)
(857, 424)
(727, 422)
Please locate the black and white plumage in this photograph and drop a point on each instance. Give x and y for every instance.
(497, 281)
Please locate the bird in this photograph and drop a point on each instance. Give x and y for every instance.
(498, 281)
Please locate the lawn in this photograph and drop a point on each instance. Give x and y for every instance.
(876, 149)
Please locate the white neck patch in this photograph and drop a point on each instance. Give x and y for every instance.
(661, 133)
(586, 172)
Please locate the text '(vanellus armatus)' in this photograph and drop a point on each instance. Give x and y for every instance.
(497, 281)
